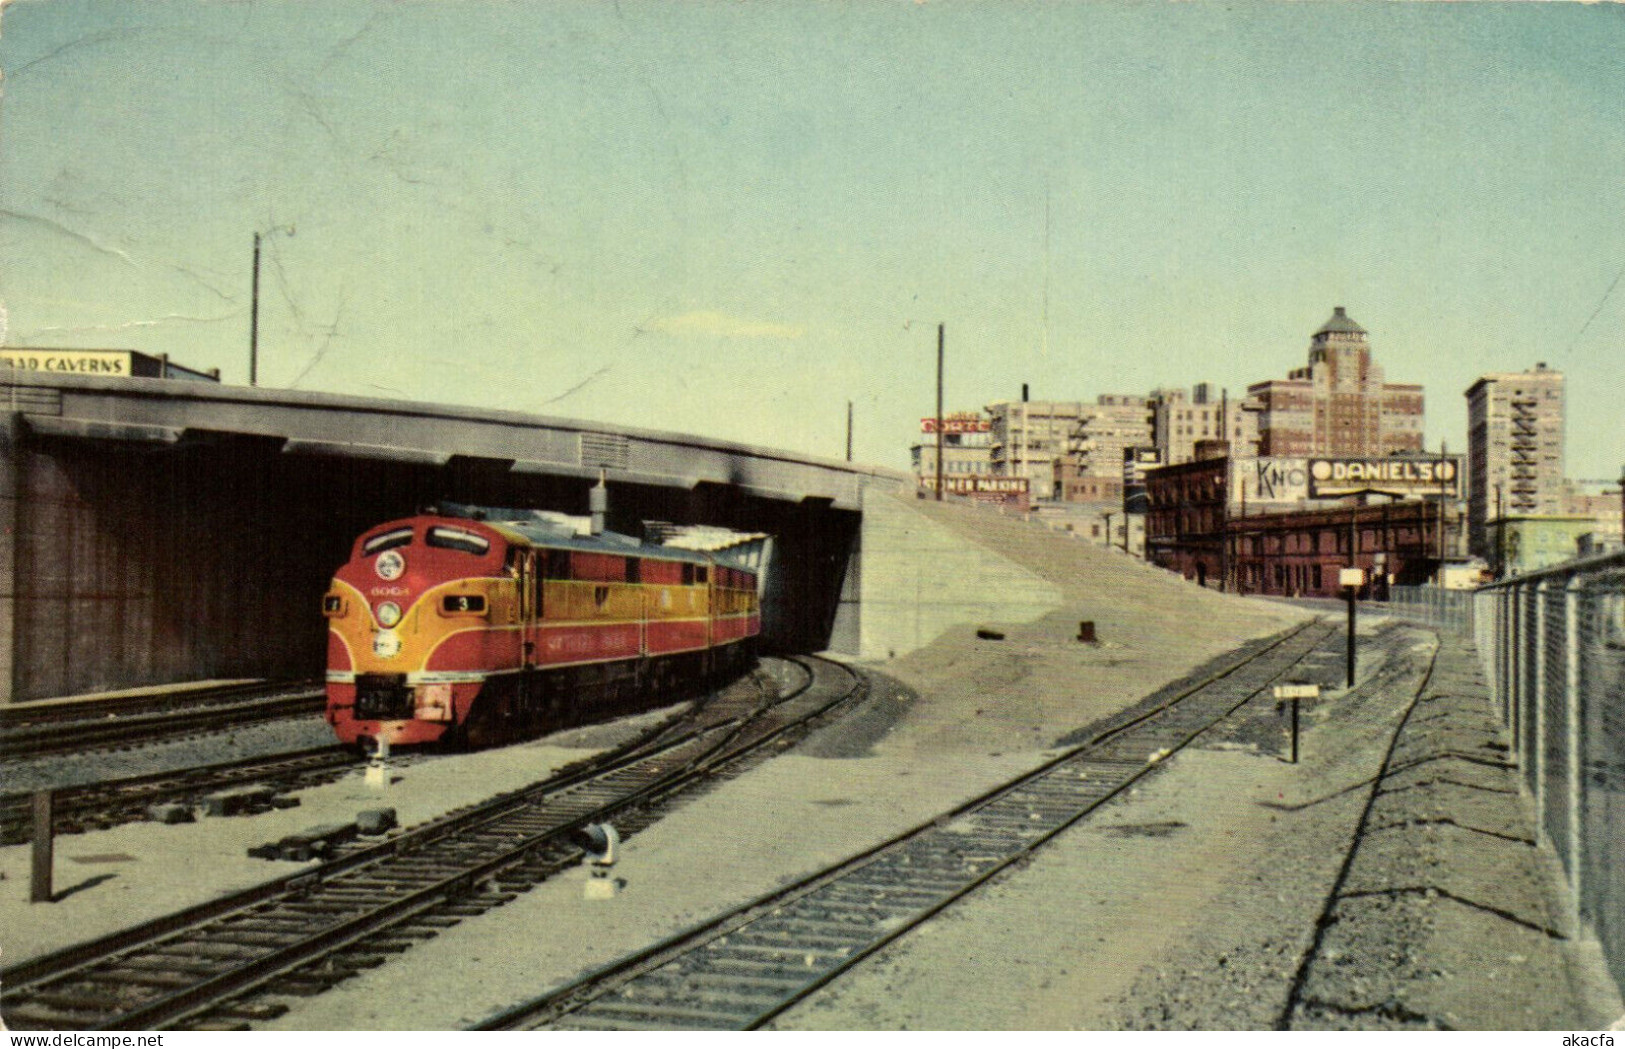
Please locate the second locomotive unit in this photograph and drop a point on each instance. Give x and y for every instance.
(470, 632)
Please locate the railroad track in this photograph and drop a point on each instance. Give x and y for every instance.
(225, 964)
(108, 723)
(740, 970)
(108, 803)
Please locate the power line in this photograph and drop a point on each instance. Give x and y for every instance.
(1603, 302)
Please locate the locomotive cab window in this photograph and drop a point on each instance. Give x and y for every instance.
(457, 539)
(557, 565)
(387, 541)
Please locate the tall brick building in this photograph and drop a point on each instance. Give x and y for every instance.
(1514, 449)
(1338, 405)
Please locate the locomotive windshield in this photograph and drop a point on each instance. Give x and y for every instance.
(457, 539)
(387, 541)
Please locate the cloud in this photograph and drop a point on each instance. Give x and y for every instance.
(711, 322)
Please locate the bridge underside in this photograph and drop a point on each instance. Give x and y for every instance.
(129, 562)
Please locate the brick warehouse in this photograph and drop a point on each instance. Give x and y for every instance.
(1199, 525)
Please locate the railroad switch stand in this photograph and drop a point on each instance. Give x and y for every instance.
(378, 768)
(601, 842)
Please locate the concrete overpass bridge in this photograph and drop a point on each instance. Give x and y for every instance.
(155, 530)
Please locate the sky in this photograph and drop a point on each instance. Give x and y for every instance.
(730, 219)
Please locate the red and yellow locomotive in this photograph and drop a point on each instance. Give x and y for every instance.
(469, 631)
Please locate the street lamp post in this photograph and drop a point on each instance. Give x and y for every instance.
(254, 305)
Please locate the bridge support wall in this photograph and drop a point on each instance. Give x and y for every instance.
(913, 578)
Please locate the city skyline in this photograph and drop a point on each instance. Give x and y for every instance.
(730, 221)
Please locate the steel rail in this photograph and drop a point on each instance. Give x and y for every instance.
(57, 962)
(72, 968)
(709, 759)
(877, 923)
(111, 801)
(157, 701)
(112, 731)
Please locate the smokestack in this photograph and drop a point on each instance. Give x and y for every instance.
(598, 505)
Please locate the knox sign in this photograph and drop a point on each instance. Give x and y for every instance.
(1290, 480)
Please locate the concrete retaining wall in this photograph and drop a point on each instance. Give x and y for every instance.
(914, 578)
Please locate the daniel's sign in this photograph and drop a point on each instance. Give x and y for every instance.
(1329, 477)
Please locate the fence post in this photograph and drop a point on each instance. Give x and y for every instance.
(1508, 713)
(1572, 706)
(1498, 628)
(1537, 703)
(1514, 656)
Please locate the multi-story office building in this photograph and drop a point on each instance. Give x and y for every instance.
(958, 460)
(966, 446)
(967, 464)
(1514, 450)
(1338, 405)
(1105, 429)
(1029, 436)
(1181, 418)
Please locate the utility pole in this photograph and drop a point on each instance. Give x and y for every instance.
(254, 306)
(940, 328)
(848, 431)
(254, 318)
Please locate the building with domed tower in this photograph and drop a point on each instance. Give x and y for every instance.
(1339, 480)
(1338, 404)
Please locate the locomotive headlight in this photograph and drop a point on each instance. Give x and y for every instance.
(389, 613)
(386, 644)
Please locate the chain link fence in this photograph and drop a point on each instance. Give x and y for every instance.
(1436, 606)
(1553, 646)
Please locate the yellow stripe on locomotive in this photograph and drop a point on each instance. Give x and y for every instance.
(505, 643)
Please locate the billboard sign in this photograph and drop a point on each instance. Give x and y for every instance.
(981, 486)
(1396, 475)
(1269, 479)
(1286, 479)
(958, 422)
(1136, 461)
(69, 362)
